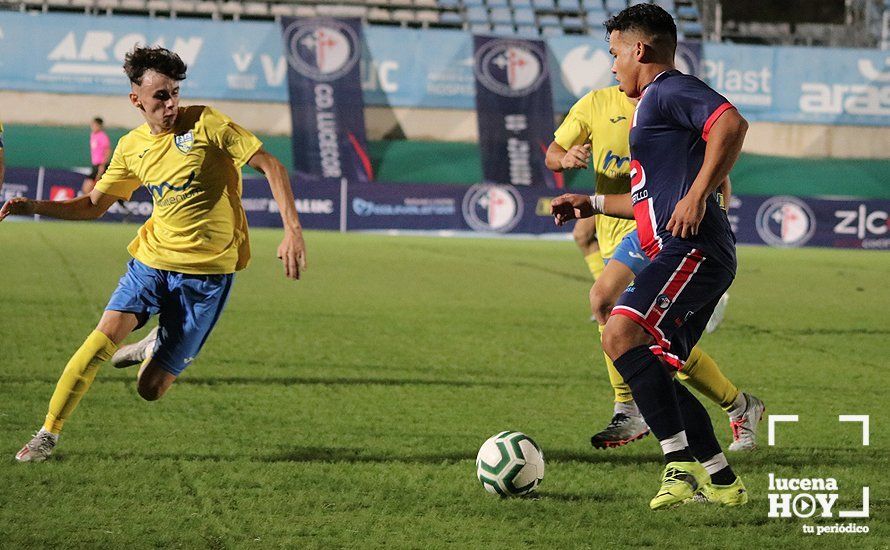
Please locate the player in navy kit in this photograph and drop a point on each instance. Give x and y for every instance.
(684, 139)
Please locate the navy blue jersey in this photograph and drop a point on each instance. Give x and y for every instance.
(668, 135)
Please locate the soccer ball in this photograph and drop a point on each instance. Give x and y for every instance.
(510, 464)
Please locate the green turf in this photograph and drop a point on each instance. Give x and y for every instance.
(345, 410)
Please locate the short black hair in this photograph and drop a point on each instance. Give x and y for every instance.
(649, 19)
(158, 59)
(98, 120)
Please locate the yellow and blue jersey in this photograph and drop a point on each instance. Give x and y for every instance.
(602, 118)
(1, 135)
(193, 173)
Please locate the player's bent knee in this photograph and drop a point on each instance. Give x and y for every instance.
(622, 335)
(154, 382)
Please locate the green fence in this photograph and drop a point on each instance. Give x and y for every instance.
(459, 163)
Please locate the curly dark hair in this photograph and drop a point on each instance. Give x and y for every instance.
(649, 19)
(158, 59)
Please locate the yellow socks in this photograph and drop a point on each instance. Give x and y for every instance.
(622, 390)
(76, 379)
(702, 373)
(595, 264)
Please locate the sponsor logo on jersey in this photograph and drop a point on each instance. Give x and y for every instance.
(321, 49)
(617, 119)
(785, 222)
(510, 68)
(184, 142)
(489, 207)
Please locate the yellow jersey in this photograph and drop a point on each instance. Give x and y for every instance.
(193, 172)
(1, 136)
(602, 118)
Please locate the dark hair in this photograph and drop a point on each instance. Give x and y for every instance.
(649, 19)
(158, 59)
(98, 120)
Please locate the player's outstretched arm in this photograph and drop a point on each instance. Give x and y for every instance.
(85, 207)
(292, 250)
(725, 141)
(571, 206)
(558, 159)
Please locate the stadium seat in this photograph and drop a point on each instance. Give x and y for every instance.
(614, 6)
(305, 11)
(379, 15)
(548, 20)
(527, 31)
(448, 4)
(132, 5)
(256, 9)
(425, 4)
(569, 5)
(668, 5)
(154, 6)
(342, 10)
(480, 28)
(503, 30)
(85, 4)
(687, 12)
(691, 28)
(525, 3)
(474, 3)
(524, 17)
(282, 10)
(497, 3)
(596, 18)
(574, 24)
(547, 5)
(427, 16)
(403, 16)
(451, 18)
(477, 15)
(232, 8)
(501, 16)
(552, 31)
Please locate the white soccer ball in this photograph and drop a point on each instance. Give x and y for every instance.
(510, 464)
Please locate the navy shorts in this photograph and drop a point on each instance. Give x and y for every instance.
(189, 306)
(673, 298)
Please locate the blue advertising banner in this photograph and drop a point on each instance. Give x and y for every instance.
(324, 86)
(782, 221)
(427, 68)
(514, 109)
(787, 221)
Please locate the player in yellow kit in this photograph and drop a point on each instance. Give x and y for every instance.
(186, 254)
(2, 159)
(596, 130)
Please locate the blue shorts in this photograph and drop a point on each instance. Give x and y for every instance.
(189, 306)
(673, 298)
(630, 253)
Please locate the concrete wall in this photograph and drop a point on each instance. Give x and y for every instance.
(766, 138)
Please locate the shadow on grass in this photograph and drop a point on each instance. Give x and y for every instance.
(309, 381)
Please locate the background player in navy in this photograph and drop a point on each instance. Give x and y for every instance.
(684, 139)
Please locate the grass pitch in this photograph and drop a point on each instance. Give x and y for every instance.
(345, 410)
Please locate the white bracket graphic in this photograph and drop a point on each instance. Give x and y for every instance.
(771, 425)
(857, 513)
(857, 418)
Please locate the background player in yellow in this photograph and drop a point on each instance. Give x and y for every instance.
(596, 129)
(186, 254)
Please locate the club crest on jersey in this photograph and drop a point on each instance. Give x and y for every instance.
(184, 141)
(663, 302)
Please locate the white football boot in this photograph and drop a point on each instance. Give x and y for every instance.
(135, 354)
(622, 429)
(717, 316)
(744, 427)
(39, 448)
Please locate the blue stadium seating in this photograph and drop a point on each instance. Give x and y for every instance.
(501, 16)
(524, 17)
(477, 15)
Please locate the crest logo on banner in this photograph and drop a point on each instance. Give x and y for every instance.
(785, 221)
(511, 68)
(321, 49)
(489, 207)
(325, 92)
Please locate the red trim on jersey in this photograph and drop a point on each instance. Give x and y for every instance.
(675, 285)
(668, 358)
(713, 118)
(638, 319)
